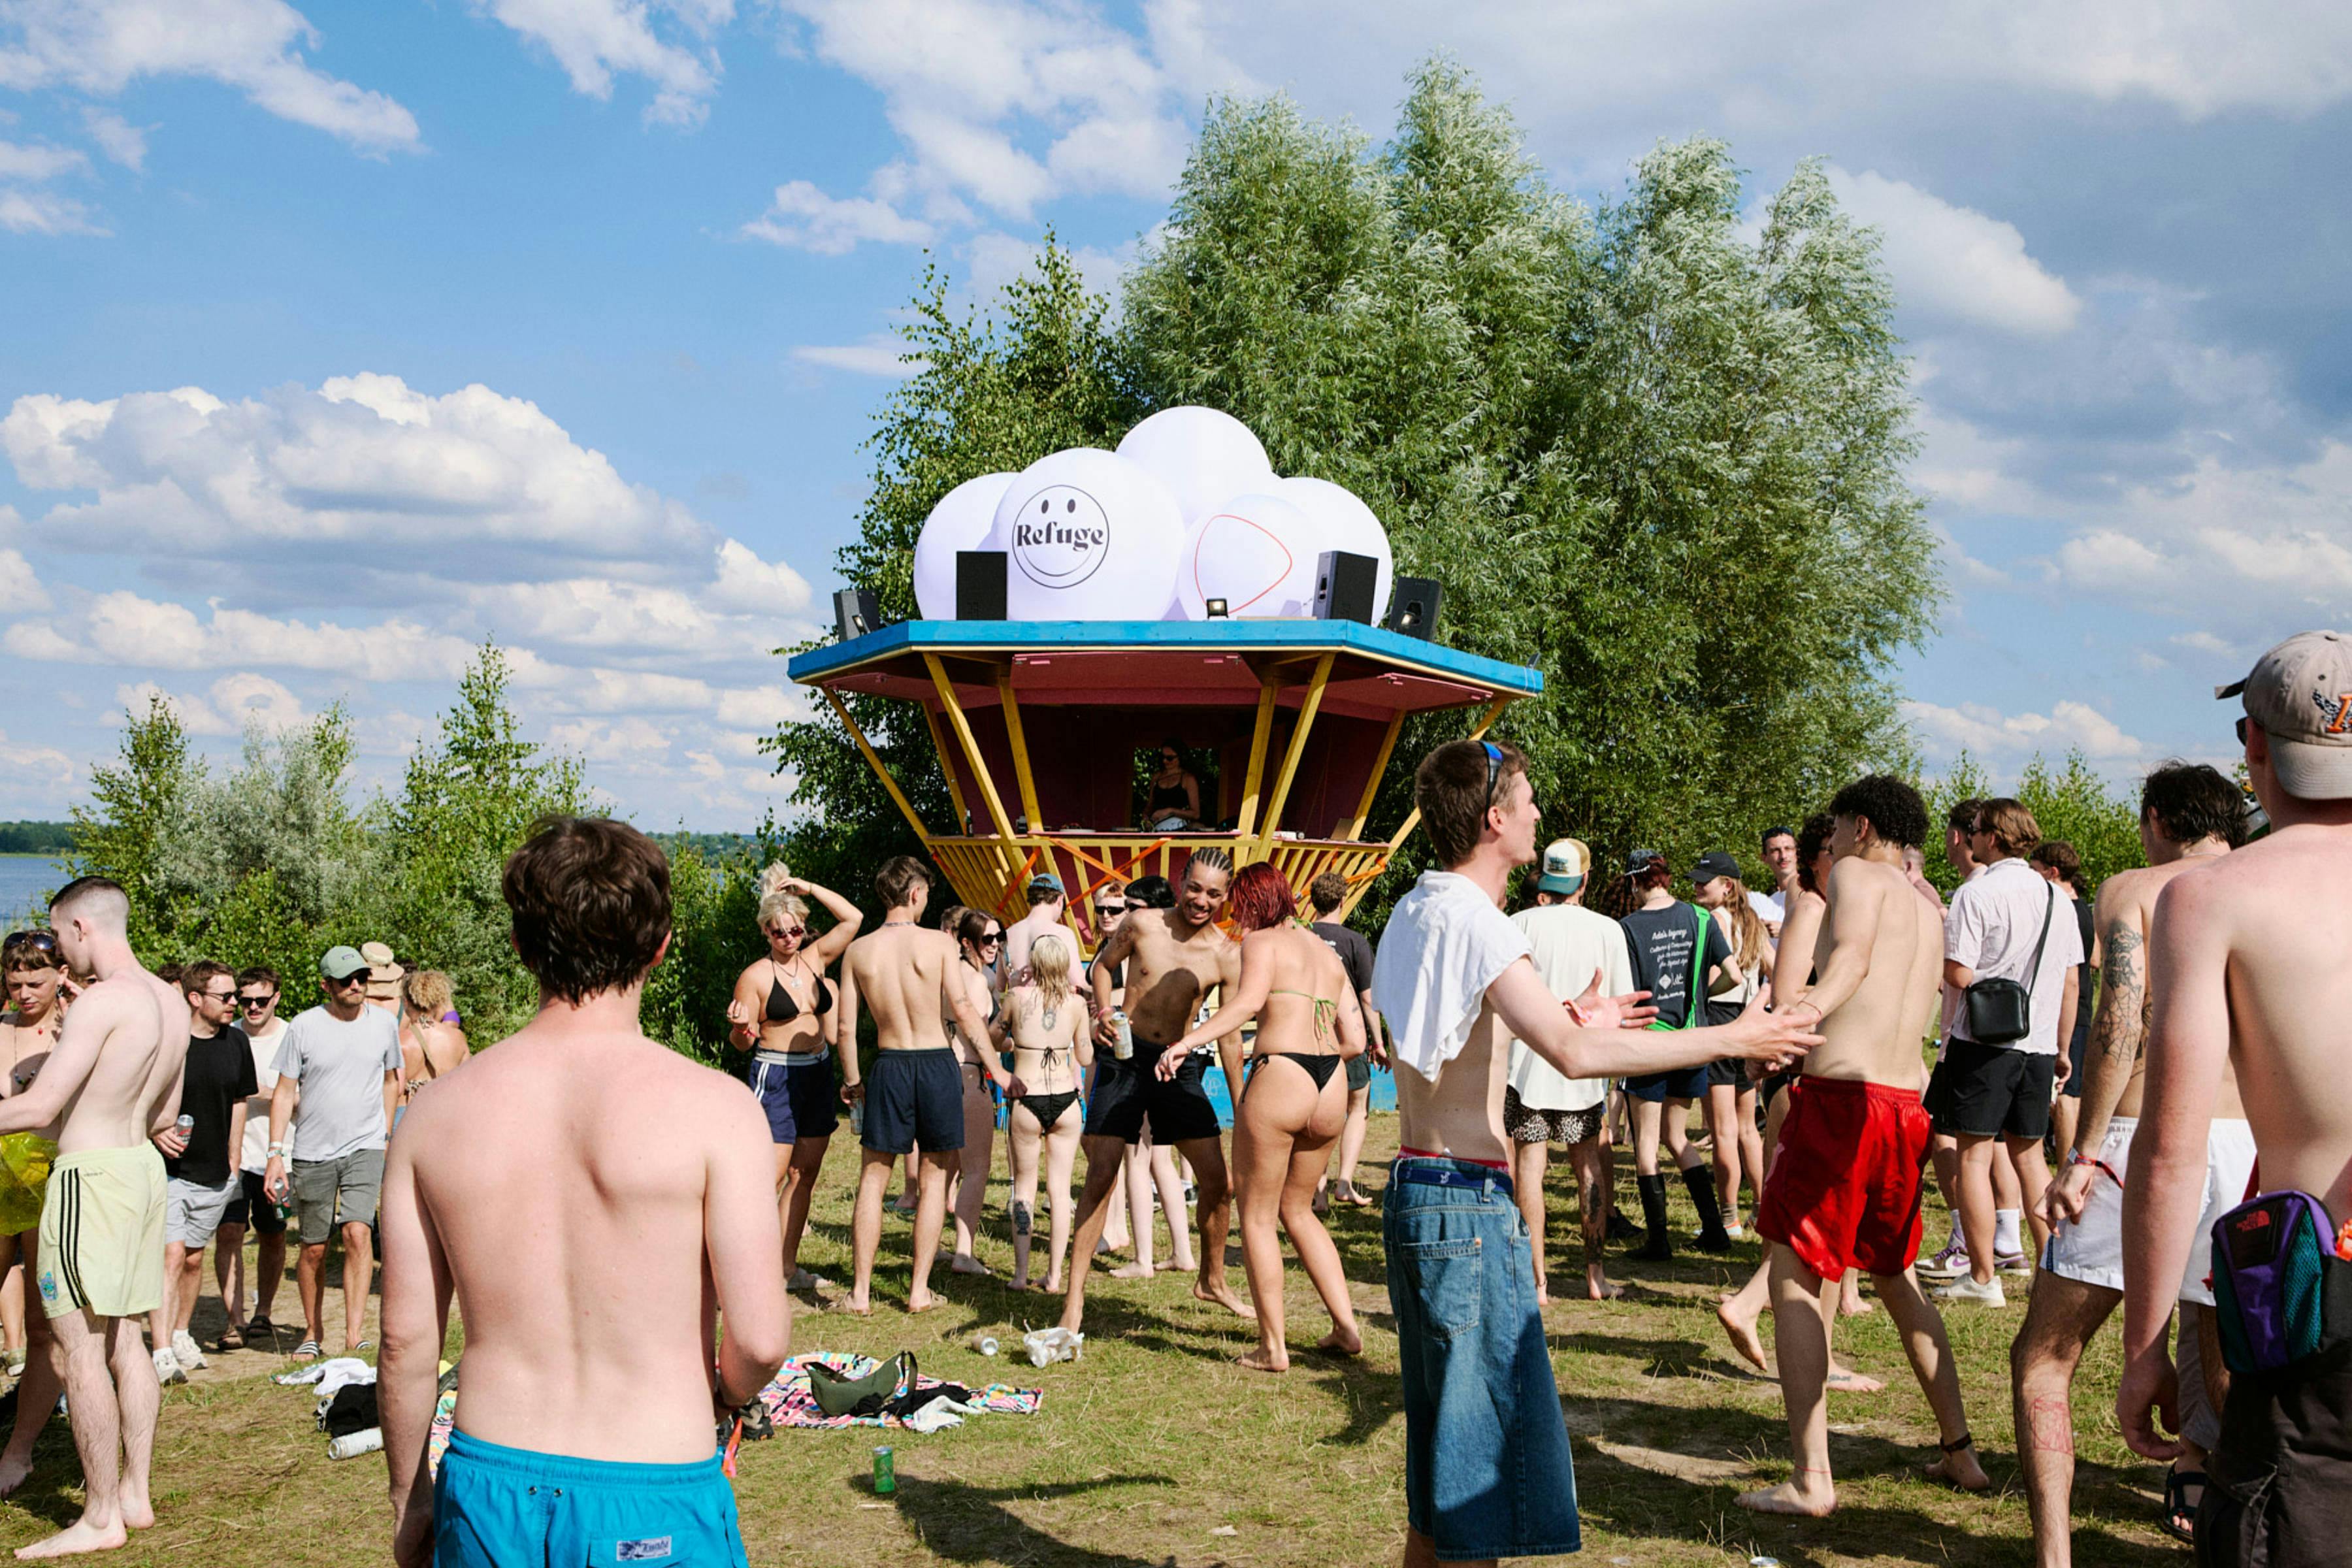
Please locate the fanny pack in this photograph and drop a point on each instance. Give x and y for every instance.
(839, 1396)
(2000, 1010)
(2281, 1295)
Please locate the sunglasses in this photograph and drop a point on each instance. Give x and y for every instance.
(217, 996)
(1168, 756)
(990, 938)
(781, 932)
(1493, 770)
(2243, 721)
(39, 941)
(359, 977)
(256, 1001)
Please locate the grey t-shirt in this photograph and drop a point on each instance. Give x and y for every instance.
(338, 1070)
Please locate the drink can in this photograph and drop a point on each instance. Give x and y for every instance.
(1123, 1035)
(985, 1344)
(186, 1123)
(886, 1472)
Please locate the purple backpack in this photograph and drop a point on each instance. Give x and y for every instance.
(2278, 1287)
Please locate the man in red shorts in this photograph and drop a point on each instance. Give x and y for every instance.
(1842, 1190)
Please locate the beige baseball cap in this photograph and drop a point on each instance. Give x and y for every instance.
(2301, 694)
(1565, 863)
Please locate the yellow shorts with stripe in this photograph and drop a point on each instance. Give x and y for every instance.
(102, 1233)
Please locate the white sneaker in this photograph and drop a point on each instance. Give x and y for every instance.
(167, 1367)
(1949, 1264)
(1966, 1289)
(184, 1351)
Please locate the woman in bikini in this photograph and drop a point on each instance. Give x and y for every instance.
(430, 1046)
(34, 976)
(980, 937)
(1297, 1102)
(784, 1017)
(1052, 1045)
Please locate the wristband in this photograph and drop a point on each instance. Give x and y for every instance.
(2076, 1157)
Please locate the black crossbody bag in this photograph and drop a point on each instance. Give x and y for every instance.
(2000, 1010)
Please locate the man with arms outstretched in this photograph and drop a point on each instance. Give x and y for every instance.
(906, 977)
(2189, 817)
(1487, 1469)
(111, 1084)
(596, 1202)
(1843, 1189)
(2246, 972)
(1172, 958)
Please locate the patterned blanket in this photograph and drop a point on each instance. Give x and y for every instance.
(790, 1403)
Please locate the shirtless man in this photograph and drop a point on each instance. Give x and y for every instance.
(1454, 980)
(2188, 815)
(909, 978)
(111, 1084)
(1048, 902)
(2245, 964)
(1172, 957)
(1843, 1189)
(593, 1285)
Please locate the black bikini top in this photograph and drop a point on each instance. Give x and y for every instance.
(782, 1009)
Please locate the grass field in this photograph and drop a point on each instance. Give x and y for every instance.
(1157, 1450)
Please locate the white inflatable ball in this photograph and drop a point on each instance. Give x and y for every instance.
(1348, 524)
(1257, 554)
(1089, 536)
(1200, 455)
(960, 521)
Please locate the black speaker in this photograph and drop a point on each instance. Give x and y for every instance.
(980, 585)
(1344, 582)
(1412, 606)
(854, 613)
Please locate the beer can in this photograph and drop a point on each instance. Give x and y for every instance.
(886, 1472)
(1123, 1035)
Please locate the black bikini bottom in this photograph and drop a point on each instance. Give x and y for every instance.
(1320, 1066)
(1048, 1107)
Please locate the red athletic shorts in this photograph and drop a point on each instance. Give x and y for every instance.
(1842, 1189)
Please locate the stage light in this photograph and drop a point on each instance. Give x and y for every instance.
(1215, 609)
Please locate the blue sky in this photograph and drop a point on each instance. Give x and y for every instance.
(339, 336)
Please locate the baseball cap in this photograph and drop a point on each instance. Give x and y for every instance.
(1713, 864)
(2301, 694)
(1045, 883)
(1642, 860)
(340, 963)
(1564, 865)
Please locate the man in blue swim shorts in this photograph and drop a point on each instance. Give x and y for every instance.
(1486, 1467)
(592, 1259)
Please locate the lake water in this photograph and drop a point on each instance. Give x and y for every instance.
(23, 880)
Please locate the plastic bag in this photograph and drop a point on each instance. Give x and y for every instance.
(25, 1162)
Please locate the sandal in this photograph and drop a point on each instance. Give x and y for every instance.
(2179, 1521)
(232, 1338)
(309, 1350)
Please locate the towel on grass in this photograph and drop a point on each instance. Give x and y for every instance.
(790, 1403)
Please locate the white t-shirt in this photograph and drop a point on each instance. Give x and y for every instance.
(1771, 907)
(254, 1155)
(1569, 946)
(338, 1066)
(1444, 945)
(1991, 929)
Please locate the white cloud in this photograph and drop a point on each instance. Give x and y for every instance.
(1955, 262)
(880, 354)
(120, 140)
(255, 46)
(802, 217)
(1987, 732)
(39, 161)
(26, 761)
(595, 40)
(122, 628)
(44, 212)
(234, 701)
(20, 589)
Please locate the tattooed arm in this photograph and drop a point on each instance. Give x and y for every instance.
(2118, 1031)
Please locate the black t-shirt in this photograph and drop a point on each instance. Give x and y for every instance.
(1661, 943)
(1355, 951)
(2083, 972)
(218, 1075)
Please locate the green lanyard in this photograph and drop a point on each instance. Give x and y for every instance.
(1698, 963)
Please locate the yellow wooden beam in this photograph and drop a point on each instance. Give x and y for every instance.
(874, 761)
(1372, 784)
(1297, 748)
(947, 768)
(1269, 688)
(1013, 732)
(1485, 723)
(962, 727)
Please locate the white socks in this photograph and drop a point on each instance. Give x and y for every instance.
(2005, 1243)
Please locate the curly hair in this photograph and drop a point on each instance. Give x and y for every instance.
(1891, 807)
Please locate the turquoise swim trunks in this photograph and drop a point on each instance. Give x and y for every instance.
(495, 1506)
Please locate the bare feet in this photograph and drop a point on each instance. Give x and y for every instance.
(1854, 1304)
(1809, 1502)
(920, 1301)
(79, 1536)
(1601, 1287)
(1845, 1380)
(1136, 1270)
(136, 1511)
(1223, 1293)
(13, 1473)
(1962, 1470)
(1053, 1284)
(1261, 1360)
(1743, 1340)
(965, 1263)
(1341, 1342)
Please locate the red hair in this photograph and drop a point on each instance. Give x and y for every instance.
(1261, 896)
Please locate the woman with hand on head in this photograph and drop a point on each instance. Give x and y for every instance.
(784, 1016)
(979, 939)
(1308, 1024)
(1047, 1025)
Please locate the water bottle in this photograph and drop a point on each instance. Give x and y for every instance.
(352, 1445)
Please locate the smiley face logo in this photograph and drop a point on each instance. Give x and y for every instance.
(1061, 537)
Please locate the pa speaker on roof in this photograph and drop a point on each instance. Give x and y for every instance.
(856, 612)
(1412, 606)
(1344, 584)
(980, 585)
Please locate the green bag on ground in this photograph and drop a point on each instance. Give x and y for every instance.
(839, 1396)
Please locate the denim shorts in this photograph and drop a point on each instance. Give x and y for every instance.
(494, 1507)
(1487, 1466)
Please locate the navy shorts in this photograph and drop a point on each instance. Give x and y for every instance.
(495, 1506)
(799, 1098)
(914, 1097)
(1682, 1083)
(1128, 1094)
(1486, 1466)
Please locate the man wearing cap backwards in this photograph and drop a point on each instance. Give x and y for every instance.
(1487, 1466)
(1845, 1188)
(2246, 965)
(342, 1061)
(1049, 901)
(1573, 948)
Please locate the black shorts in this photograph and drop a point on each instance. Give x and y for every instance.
(914, 1097)
(252, 1207)
(2280, 1481)
(1682, 1083)
(2074, 1053)
(1360, 1071)
(1985, 1091)
(1728, 1072)
(801, 1100)
(1128, 1093)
